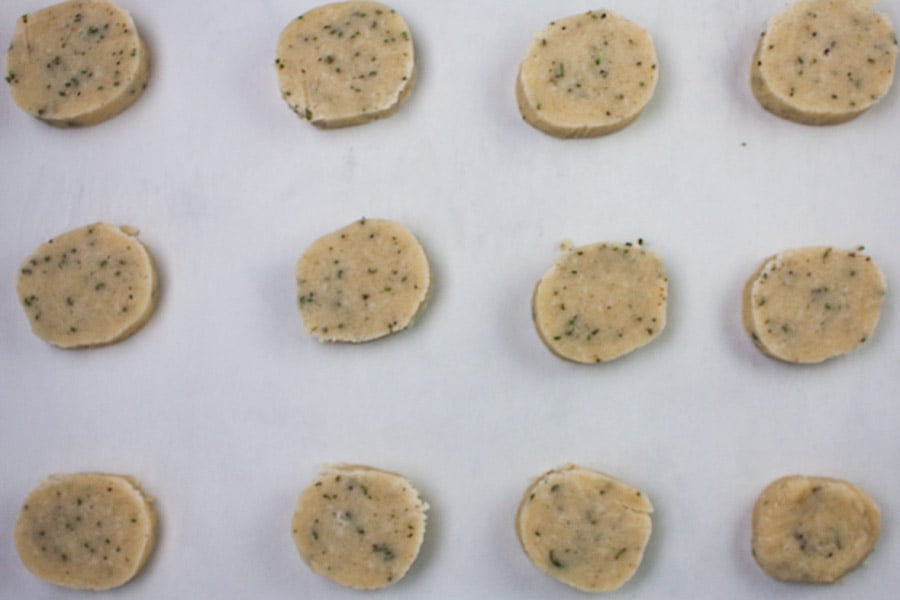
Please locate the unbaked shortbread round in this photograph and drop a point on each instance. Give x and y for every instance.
(807, 305)
(823, 62)
(602, 301)
(362, 282)
(87, 531)
(345, 63)
(91, 286)
(77, 63)
(587, 75)
(584, 528)
(360, 527)
(813, 529)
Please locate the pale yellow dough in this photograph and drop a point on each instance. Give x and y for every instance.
(807, 305)
(88, 531)
(602, 301)
(584, 528)
(813, 529)
(360, 527)
(91, 286)
(345, 63)
(77, 63)
(587, 75)
(823, 62)
(362, 282)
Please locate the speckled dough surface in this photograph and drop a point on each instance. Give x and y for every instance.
(584, 528)
(345, 63)
(587, 75)
(602, 301)
(76, 63)
(360, 527)
(86, 530)
(823, 62)
(91, 286)
(807, 305)
(813, 529)
(362, 282)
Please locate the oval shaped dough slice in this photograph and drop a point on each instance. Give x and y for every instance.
(345, 63)
(584, 528)
(807, 305)
(587, 75)
(359, 527)
(86, 530)
(362, 282)
(77, 63)
(91, 286)
(602, 301)
(813, 529)
(823, 62)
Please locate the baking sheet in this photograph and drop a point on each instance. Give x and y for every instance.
(225, 410)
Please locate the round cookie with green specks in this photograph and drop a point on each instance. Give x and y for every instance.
(602, 301)
(77, 63)
(360, 527)
(362, 282)
(345, 63)
(584, 528)
(587, 75)
(806, 305)
(88, 531)
(823, 62)
(91, 286)
(813, 529)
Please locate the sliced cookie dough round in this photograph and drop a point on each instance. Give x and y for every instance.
(77, 63)
(807, 305)
(360, 527)
(602, 301)
(345, 63)
(584, 528)
(813, 529)
(91, 286)
(587, 75)
(362, 282)
(88, 531)
(823, 62)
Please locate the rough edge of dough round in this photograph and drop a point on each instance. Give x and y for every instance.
(344, 469)
(147, 502)
(870, 503)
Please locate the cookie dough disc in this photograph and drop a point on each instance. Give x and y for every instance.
(91, 286)
(77, 63)
(813, 529)
(360, 527)
(362, 282)
(601, 301)
(345, 63)
(86, 531)
(587, 75)
(807, 305)
(584, 528)
(823, 62)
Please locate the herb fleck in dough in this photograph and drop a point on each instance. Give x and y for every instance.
(601, 301)
(362, 282)
(345, 63)
(584, 528)
(91, 286)
(807, 305)
(86, 531)
(360, 527)
(587, 75)
(813, 529)
(823, 62)
(76, 63)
